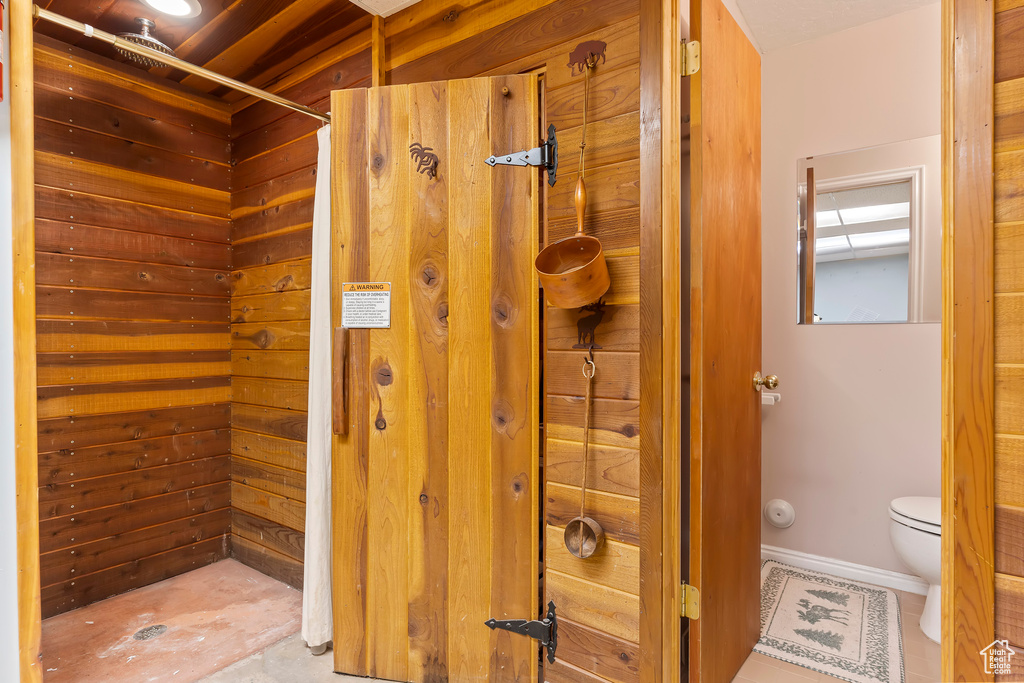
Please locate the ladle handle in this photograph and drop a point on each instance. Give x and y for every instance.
(581, 204)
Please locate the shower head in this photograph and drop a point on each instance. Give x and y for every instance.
(144, 39)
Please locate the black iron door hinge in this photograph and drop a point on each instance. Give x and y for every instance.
(544, 630)
(545, 156)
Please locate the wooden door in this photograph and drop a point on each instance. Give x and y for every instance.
(725, 295)
(435, 484)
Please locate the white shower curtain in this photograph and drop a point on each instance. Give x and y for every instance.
(316, 595)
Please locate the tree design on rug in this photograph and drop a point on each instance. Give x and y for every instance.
(812, 614)
(826, 638)
(835, 597)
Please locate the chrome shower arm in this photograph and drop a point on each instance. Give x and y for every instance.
(156, 55)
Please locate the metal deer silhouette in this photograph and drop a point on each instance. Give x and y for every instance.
(586, 327)
(426, 160)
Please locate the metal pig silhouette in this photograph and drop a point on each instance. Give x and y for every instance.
(579, 56)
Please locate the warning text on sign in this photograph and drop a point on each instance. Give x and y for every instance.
(366, 305)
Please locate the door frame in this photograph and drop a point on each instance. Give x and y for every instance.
(661, 342)
(968, 598)
(23, 288)
(968, 338)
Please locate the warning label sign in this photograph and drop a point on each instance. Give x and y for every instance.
(366, 305)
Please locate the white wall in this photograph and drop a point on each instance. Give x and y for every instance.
(859, 423)
(8, 523)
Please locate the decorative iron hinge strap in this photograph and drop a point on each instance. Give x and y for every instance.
(689, 603)
(545, 630)
(545, 156)
(691, 57)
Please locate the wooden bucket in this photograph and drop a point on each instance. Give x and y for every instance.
(573, 271)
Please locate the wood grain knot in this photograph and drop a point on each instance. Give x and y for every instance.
(629, 431)
(503, 417)
(503, 311)
(284, 283)
(424, 499)
(378, 163)
(383, 375)
(518, 486)
(263, 339)
(430, 275)
(442, 313)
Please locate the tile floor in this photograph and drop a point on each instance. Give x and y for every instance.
(215, 616)
(920, 655)
(230, 624)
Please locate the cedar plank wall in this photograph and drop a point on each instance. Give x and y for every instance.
(274, 153)
(1009, 324)
(132, 202)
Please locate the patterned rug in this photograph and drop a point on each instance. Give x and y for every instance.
(835, 626)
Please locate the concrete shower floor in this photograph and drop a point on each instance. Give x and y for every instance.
(215, 616)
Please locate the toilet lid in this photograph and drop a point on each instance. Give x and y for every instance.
(919, 512)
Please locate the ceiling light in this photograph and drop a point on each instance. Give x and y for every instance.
(878, 240)
(826, 219)
(183, 9)
(877, 212)
(831, 245)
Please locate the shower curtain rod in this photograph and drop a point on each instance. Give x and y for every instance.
(121, 44)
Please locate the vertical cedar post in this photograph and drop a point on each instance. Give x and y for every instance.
(968, 356)
(24, 294)
(378, 66)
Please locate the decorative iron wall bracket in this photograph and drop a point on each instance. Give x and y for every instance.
(545, 630)
(545, 156)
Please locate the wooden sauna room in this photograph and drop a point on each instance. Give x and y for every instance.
(323, 363)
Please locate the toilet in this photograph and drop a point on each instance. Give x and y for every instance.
(915, 529)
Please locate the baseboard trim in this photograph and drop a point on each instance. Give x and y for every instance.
(846, 570)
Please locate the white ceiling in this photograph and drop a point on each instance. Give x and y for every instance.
(780, 23)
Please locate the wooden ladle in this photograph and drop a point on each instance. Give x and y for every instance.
(583, 535)
(573, 271)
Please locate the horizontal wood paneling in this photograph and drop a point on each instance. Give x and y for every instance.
(67, 433)
(65, 565)
(81, 368)
(615, 565)
(57, 499)
(611, 469)
(84, 462)
(116, 520)
(74, 335)
(78, 208)
(289, 453)
(617, 660)
(84, 590)
(1009, 323)
(133, 289)
(274, 154)
(261, 556)
(618, 515)
(604, 609)
(1010, 607)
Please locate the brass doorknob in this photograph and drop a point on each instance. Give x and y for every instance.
(769, 381)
